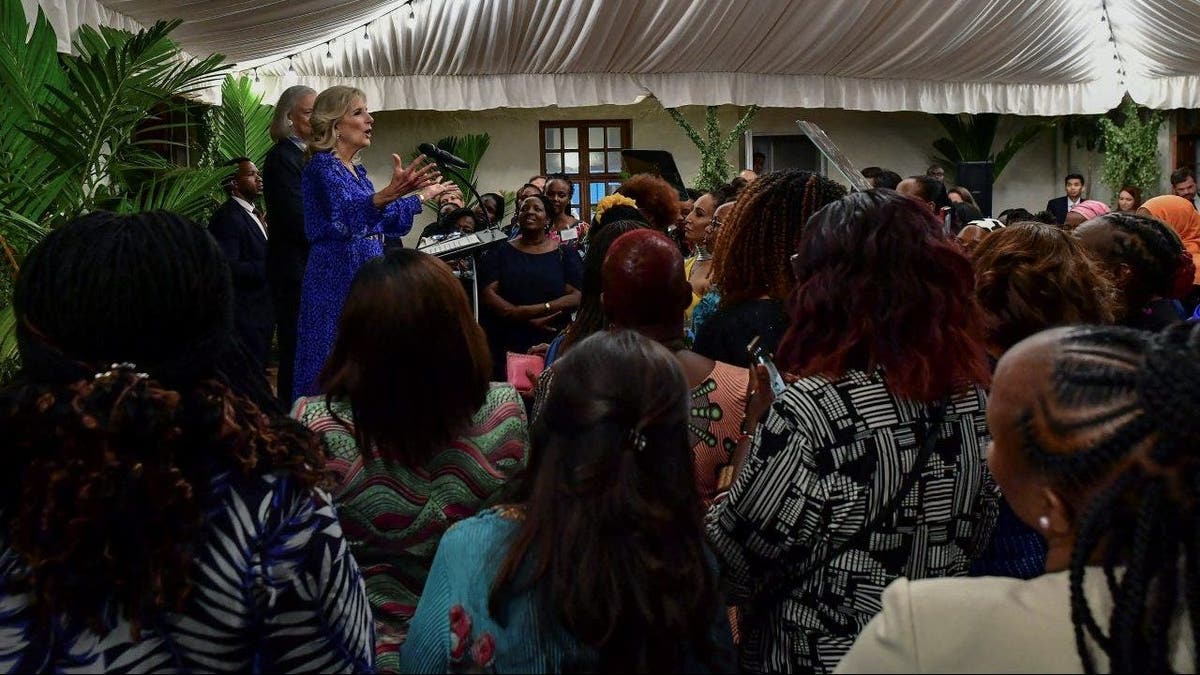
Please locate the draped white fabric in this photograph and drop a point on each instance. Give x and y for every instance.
(1033, 57)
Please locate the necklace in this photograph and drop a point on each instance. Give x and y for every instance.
(702, 254)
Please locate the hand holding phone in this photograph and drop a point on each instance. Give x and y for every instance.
(760, 356)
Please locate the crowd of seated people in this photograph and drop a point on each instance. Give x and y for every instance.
(769, 426)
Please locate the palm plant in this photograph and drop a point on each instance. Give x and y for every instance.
(971, 137)
(239, 127)
(73, 129)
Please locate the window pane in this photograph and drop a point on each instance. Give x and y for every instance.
(596, 192)
(596, 162)
(596, 138)
(570, 162)
(613, 187)
(614, 162)
(614, 137)
(552, 138)
(553, 162)
(570, 138)
(574, 208)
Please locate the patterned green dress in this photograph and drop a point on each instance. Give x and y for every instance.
(395, 516)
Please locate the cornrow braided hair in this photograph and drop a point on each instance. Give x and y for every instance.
(1161, 266)
(750, 258)
(1123, 403)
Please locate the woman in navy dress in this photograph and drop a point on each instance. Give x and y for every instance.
(345, 219)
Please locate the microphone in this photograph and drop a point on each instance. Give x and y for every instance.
(441, 156)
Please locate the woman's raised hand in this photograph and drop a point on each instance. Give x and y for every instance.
(416, 176)
(433, 190)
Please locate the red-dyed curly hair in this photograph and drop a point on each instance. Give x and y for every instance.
(655, 198)
(878, 284)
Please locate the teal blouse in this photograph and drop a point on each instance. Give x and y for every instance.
(452, 630)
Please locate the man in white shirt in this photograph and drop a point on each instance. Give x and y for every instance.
(1060, 205)
(239, 226)
(1183, 184)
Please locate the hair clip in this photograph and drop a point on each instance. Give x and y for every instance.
(637, 439)
(126, 365)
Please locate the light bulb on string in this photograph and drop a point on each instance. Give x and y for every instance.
(329, 50)
(412, 15)
(256, 75)
(291, 66)
(365, 36)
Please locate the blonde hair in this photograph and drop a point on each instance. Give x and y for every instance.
(331, 105)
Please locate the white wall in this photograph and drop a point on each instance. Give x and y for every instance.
(899, 141)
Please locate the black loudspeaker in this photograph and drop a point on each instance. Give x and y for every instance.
(977, 177)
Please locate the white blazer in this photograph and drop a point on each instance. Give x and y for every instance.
(988, 625)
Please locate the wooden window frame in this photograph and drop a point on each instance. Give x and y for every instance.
(582, 198)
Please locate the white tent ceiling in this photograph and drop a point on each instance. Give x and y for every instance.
(1033, 57)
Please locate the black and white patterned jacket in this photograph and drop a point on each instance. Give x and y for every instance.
(828, 458)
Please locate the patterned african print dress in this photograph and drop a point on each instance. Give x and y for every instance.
(395, 516)
(827, 460)
(274, 590)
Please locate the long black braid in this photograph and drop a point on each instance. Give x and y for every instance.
(590, 318)
(1123, 406)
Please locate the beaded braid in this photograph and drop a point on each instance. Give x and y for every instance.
(752, 252)
(1123, 402)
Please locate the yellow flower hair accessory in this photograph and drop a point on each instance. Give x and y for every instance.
(611, 201)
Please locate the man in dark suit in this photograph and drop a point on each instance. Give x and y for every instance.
(241, 230)
(287, 249)
(1060, 205)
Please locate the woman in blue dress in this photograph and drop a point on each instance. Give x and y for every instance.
(345, 219)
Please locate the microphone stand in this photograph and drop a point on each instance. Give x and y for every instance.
(486, 225)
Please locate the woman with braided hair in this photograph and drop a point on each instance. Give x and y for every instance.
(750, 262)
(1094, 434)
(157, 513)
(1148, 263)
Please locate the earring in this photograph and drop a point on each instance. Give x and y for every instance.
(289, 120)
(1044, 522)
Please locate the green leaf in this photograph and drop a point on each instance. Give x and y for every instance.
(241, 125)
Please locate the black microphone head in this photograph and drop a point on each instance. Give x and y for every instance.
(429, 149)
(441, 156)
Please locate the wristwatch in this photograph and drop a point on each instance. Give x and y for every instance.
(547, 306)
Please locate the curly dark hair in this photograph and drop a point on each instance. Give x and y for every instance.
(1031, 276)
(655, 198)
(879, 284)
(750, 258)
(1114, 428)
(612, 540)
(108, 477)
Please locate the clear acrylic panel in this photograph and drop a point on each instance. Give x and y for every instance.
(553, 137)
(596, 138)
(614, 137)
(596, 162)
(570, 139)
(614, 162)
(570, 162)
(553, 162)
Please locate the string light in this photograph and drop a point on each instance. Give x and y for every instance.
(329, 50)
(412, 15)
(256, 75)
(366, 37)
(291, 66)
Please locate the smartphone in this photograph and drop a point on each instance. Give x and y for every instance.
(760, 356)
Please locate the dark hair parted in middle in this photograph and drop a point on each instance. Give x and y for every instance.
(613, 538)
(750, 258)
(878, 284)
(409, 357)
(1031, 276)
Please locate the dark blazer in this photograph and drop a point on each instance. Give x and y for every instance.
(245, 248)
(288, 248)
(1058, 207)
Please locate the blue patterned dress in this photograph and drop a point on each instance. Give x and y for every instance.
(275, 589)
(344, 230)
